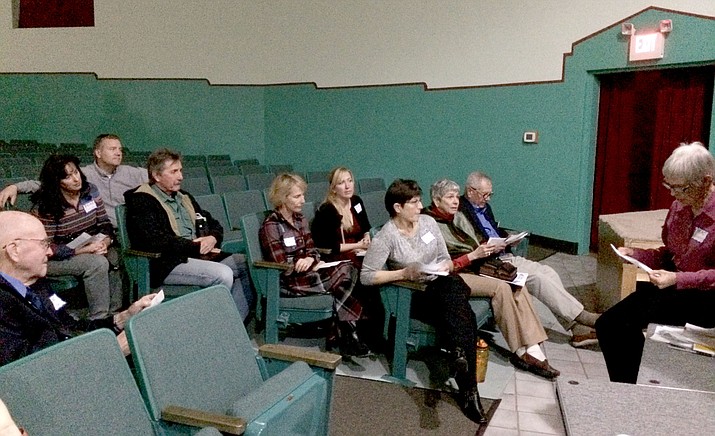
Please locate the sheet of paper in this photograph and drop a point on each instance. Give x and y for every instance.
(158, 298)
(520, 279)
(434, 269)
(322, 264)
(631, 260)
(496, 241)
(84, 239)
(516, 238)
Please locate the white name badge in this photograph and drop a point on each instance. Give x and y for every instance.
(358, 208)
(700, 234)
(427, 237)
(57, 301)
(89, 207)
(289, 241)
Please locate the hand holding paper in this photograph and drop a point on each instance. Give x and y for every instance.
(633, 261)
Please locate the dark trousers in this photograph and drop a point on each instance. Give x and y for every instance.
(445, 304)
(620, 329)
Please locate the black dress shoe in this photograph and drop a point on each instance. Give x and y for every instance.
(471, 406)
(350, 343)
(527, 362)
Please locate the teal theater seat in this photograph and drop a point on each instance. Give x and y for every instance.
(412, 334)
(136, 263)
(194, 352)
(82, 386)
(279, 311)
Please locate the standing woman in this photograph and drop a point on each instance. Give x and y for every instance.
(341, 224)
(285, 238)
(68, 205)
(407, 242)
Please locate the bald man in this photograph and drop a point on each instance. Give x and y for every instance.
(30, 317)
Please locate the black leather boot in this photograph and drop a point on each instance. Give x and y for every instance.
(471, 405)
(350, 343)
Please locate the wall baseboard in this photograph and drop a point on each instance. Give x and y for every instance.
(554, 244)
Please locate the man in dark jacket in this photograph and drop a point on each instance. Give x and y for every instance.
(31, 318)
(163, 218)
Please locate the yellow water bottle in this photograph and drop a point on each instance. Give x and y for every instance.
(482, 360)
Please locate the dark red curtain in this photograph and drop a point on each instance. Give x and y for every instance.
(642, 117)
(56, 13)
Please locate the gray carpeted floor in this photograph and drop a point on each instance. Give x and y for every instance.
(369, 407)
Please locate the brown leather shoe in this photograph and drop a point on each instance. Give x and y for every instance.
(527, 362)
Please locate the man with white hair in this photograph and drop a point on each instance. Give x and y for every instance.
(543, 282)
(31, 318)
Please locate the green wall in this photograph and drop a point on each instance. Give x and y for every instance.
(409, 132)
(386, 131)
(189, 115)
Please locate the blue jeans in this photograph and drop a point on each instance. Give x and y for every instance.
(231, 272)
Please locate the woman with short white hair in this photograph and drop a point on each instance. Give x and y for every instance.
(514, 312)
(682, 285)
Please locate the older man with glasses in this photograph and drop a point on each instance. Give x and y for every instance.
(30, 317)
(543, 282)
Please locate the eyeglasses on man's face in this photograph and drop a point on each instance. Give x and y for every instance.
(45, 242)
(484, 195)
(676, 189)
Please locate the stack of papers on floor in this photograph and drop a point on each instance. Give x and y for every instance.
(690, 338)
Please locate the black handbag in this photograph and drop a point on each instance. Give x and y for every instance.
(498, 269)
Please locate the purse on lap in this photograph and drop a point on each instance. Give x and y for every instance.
(498, 269)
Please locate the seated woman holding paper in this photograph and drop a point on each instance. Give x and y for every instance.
(513, 310)
(70, 208)
(409, 244)
(285, 238)
(682, 283)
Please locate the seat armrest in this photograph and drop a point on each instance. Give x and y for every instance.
(142, 253)
(200, 418)
(415, 286)
(271, 265)
(292, 354)
(325, 251)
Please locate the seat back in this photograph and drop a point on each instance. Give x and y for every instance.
(253, 169)
(280, 168)
(371, 184)
(278, 311)
(375, 208)
(232, 239)
(196, 185)
(82, 386)
(317, 176)
(228, 183)
(259, 181)
(241, 203)
(316, 192)
(193, 352)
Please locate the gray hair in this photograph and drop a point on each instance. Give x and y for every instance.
(440, 188)
(475, 178)
(690, 162)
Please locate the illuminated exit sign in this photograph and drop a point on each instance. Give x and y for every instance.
(646, 46)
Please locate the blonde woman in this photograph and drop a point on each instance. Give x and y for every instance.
(341, 224)
(285, 238)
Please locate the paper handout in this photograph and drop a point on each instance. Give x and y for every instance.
(633, 261)
(85, 239)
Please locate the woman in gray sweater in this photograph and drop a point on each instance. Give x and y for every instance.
(411, 246)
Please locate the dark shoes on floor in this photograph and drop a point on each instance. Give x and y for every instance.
(471, 406)
(348, 341)
(527, 362)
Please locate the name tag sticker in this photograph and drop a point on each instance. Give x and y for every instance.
(57, 301)
(90, 206)
(427, 237)
(358, 208)
(700, 234)
(289, 241)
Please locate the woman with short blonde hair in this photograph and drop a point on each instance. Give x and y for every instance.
(285, 238)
